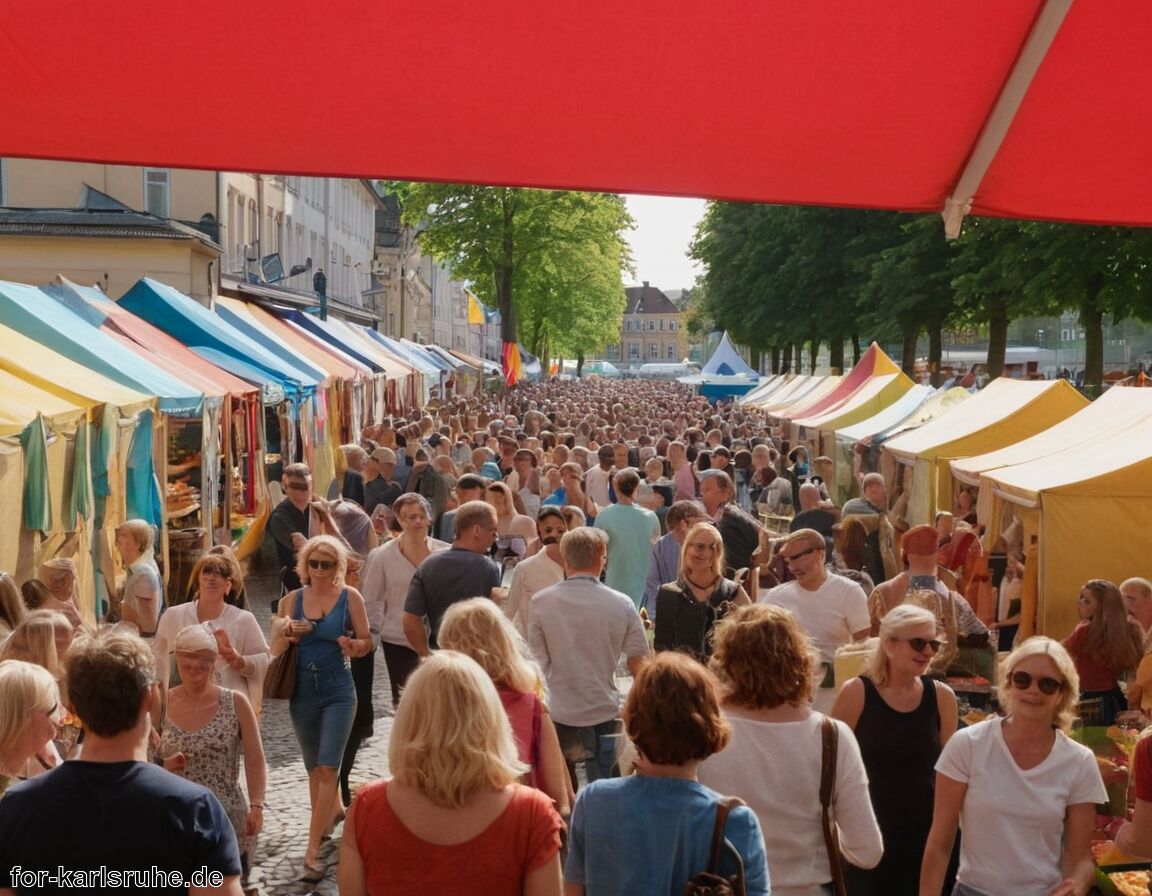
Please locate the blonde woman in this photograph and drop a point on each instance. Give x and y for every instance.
(59, 574)
(43, 637)
(902, 719)
(478, 628)
(11, 605)
(688, 609)
(510, 525)
(243, 657)
(1024, 793)
(328, 622)
(452, 819)
(29, 706)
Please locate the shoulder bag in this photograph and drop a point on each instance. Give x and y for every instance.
(280, 679)
(711, 882)
(830, 737)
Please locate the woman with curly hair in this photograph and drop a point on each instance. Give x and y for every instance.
(652, 831)
(1105, 646)
(1022, 790)
(766, 665)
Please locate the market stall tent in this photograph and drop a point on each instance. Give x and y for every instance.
(1087, 507)
(725, 374)
(874, 362)
(804, 394)
(1003, 412)
(765, 388)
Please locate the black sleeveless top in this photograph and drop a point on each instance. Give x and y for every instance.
(900, 750)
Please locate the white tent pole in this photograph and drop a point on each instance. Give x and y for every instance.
(999, 121)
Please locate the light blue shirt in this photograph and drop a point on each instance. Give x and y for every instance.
(650, 836)
(631, 532)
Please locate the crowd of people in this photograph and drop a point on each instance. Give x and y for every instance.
(517, 559)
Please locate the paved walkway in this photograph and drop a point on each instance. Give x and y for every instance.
(279, 857)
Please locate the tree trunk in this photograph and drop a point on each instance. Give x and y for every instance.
(935, 351)
(786, 365)
(814, 345)
(997, 335)
(836, 356)
(908, 351)
(505, 272)
(856, 349)
(579, 364)
(775, 359)
(754, 357)
(1092, 320)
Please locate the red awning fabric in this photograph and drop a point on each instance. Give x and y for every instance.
(876, 104)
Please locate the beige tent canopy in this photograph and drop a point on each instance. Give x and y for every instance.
(1002, 413)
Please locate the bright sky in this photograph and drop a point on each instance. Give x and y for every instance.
(664, 228)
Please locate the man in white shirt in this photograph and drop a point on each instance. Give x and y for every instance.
(597, 480)
(577, 630)
(832, 609)
(539, 571)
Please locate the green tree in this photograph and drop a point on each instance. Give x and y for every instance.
(556, 258)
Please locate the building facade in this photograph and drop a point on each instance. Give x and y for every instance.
(650, 330)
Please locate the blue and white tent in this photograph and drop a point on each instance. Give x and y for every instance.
(726, 375)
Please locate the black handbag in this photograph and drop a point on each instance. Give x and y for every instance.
(711, 882)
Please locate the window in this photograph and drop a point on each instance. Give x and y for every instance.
(613, 351)
(633, 351)
(672, 325)
(652, 325)
(661, 323)
(671, 351)
(157, 192)
(653, 350)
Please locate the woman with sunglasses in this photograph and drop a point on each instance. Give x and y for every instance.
(1105, 646)
(1024, 793)
(327, 619)
(242, 659)
(902, 719)
(688, 609)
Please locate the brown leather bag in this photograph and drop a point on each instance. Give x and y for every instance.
(831, 738)
(711, 882)
(280, 679)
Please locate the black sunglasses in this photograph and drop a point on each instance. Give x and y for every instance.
(795, 557)
(321, 564)
(918, 644)
(1023, 681)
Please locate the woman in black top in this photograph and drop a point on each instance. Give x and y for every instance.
(687, 610)
(902, 719)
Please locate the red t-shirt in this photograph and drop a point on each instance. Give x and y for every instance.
(1093, 676)
(495, 862)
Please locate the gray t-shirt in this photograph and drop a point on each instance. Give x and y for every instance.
(446, 578)
(577, 630)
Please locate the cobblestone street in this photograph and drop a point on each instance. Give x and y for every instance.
(277, 864)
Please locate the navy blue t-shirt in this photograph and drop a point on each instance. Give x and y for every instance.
(121, 817)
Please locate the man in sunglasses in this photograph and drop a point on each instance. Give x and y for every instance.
(288, 522)
(832, 609)
(920, 583)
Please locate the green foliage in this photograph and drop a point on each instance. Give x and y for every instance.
(551, 261)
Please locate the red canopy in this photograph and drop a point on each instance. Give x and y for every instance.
(878, 104)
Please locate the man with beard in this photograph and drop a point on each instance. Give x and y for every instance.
(539, 571)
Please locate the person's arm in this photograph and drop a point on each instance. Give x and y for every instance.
(255, 767)
(636, 663)
(1076, 863)
(849, 704)
(948, 710)
(416, 635)
(554, 780)
(942, 836)
(652, 583)
(537, 641)
(545, 880)
(350, 876)
(1135, 837)
(741, 599)
(361, 641)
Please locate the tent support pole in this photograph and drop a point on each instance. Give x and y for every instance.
(999, 121)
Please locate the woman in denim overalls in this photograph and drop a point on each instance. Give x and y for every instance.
(327, 619)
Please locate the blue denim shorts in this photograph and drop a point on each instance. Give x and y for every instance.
(322, 710)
